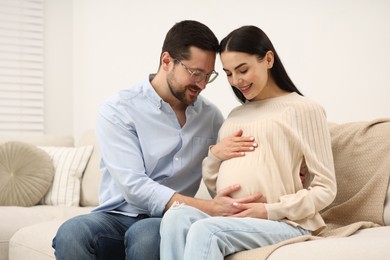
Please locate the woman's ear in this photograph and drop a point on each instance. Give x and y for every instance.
(269, 57)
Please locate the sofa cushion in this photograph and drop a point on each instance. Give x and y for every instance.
(34, 242)
(361, 156)
(69, 164)
(26, 174)
(369, 243)
(14, 218)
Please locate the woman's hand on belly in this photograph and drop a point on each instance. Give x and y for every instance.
(224, 205)
(252, 210)
(232, 146)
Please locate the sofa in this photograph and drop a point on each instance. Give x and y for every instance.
(26, 232)
(361, 150)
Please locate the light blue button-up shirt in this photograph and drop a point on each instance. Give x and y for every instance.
(145, 155)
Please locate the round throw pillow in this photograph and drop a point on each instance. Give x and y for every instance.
(26, 173)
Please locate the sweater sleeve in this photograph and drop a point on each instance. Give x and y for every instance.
(313, 132)
(210, 168)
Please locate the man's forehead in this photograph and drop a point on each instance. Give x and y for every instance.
(201, 59)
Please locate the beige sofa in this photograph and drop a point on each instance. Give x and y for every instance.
(27, 232)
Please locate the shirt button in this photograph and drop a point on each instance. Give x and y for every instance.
(176, 158)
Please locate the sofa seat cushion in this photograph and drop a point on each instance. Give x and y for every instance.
(34, 242)
(26, 174)
(14, 218)
(369, 243)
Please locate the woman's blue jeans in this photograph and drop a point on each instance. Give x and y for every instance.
(188, 233)
(102, 235)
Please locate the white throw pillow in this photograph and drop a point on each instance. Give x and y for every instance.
(69, 164)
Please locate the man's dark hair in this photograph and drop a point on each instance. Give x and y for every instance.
(186, 34)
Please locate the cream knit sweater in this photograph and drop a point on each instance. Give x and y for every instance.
(287, 129)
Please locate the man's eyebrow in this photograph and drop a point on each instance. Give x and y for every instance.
(237, 67)
(197, 69)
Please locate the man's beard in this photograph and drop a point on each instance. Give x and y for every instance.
(181, 95)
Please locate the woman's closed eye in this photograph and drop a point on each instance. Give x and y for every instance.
(229, 74)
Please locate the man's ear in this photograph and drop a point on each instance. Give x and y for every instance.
(166, 59)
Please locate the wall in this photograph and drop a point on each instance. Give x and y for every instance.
(335, 51)
(58, 67)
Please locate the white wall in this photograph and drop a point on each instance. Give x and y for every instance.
(59, 67)
(336, 51)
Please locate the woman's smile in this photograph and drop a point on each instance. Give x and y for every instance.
(245, 89)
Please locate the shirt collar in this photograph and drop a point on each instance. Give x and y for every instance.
(150, 93)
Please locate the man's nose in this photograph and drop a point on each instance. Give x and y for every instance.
(202, 84)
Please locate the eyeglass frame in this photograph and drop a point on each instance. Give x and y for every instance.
(203, 75)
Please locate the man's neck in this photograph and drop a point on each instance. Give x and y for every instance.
(159, 85)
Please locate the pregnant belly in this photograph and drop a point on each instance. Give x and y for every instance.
(250, 179)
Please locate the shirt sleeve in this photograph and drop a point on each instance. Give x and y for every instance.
(314, 135)
(122, 158)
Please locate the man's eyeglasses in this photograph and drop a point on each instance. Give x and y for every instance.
(197, 76)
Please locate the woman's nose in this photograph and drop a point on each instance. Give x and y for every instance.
(237, 81)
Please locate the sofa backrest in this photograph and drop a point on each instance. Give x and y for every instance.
(91, 177)
(45, 140)
(362, 158)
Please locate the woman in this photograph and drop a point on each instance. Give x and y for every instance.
(291, 130)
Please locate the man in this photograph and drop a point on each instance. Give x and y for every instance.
(153, 138)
